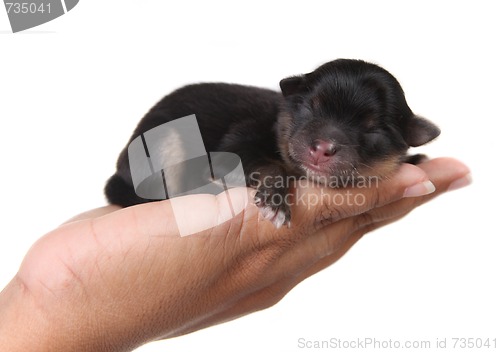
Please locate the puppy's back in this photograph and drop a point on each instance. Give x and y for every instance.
(225, 113)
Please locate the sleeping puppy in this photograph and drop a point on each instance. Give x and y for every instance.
(345, 121)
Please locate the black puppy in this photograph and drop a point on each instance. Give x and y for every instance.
(345, 121)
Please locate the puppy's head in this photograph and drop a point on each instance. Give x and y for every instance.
(348, 118)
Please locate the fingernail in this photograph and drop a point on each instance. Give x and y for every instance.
(461, 182)
(420, 189)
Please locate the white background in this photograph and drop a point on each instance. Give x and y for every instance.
(72, 90)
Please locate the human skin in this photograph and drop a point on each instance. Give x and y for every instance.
(113, 279)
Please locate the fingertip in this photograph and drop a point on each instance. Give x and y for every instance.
(448, 173)
(460, 183)
(451, 164)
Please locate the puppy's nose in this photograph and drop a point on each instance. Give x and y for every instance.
(321, 151)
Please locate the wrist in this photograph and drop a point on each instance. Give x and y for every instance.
(28, 323)
(22, 327)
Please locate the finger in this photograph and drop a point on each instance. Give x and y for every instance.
(446, 171)
(442, 172)
(316, 206)
(410, 182)
(301, 253)
(327, 240)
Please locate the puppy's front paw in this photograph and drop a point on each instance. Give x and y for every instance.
(272, 205)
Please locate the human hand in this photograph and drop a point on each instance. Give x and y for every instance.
(113, 279)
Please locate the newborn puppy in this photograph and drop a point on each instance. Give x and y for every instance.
(343, 122)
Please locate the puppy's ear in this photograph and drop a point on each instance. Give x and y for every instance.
(420, 131)
(292, 85)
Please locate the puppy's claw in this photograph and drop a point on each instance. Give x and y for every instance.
(278, 214)
(268, 213)
(278, 217)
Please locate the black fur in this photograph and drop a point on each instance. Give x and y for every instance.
(347, 119)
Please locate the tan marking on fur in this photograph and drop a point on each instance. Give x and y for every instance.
(284, 135)
(383, 168)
